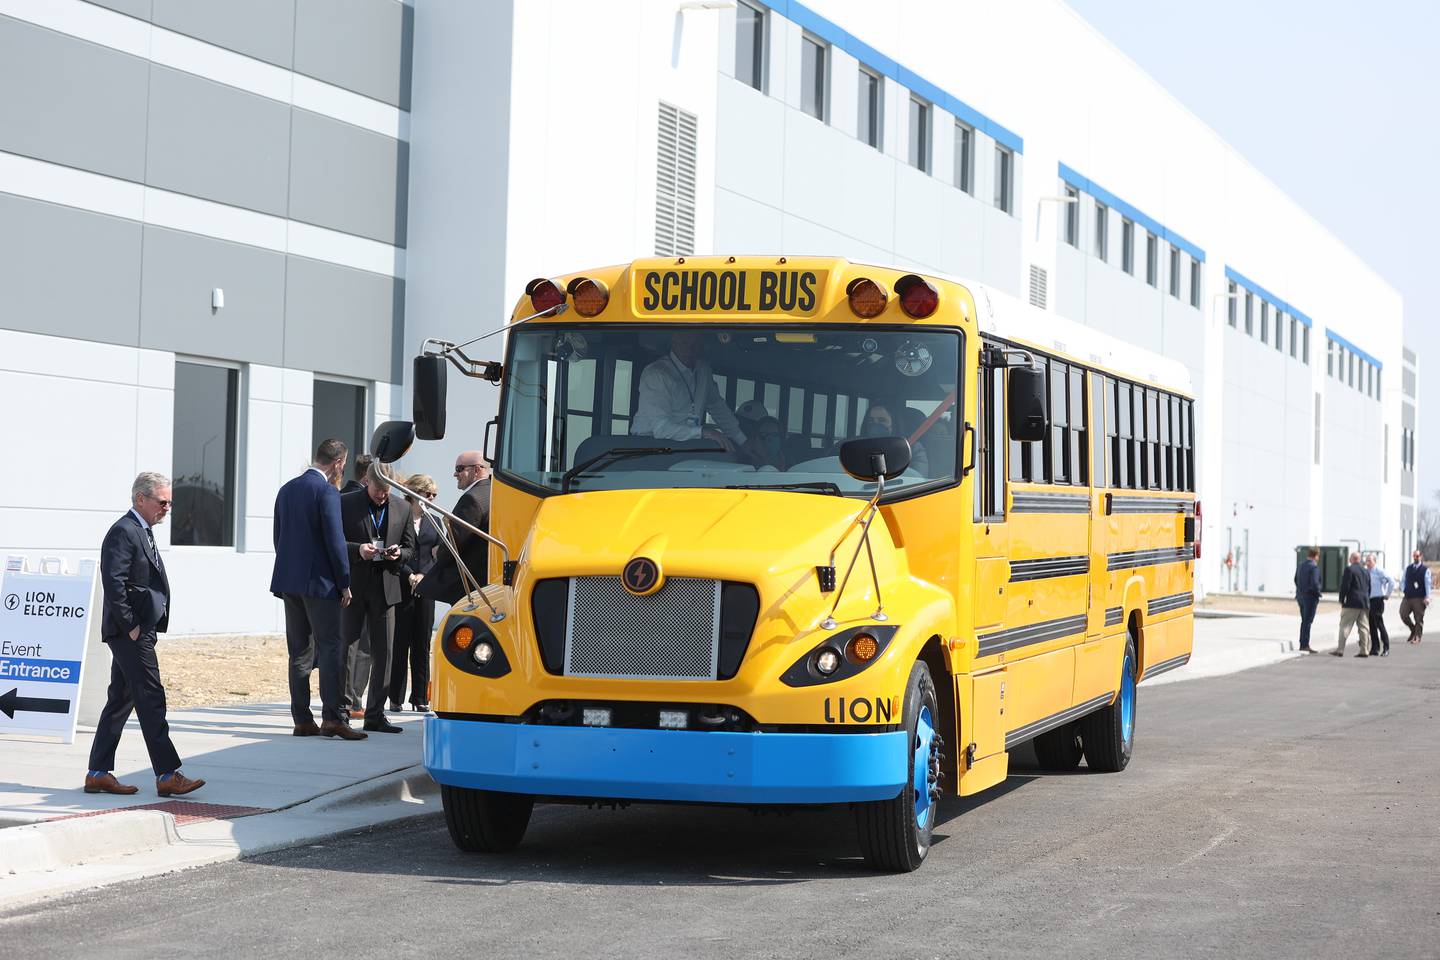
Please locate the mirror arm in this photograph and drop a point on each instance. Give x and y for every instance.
(480, 369)
(864, 519)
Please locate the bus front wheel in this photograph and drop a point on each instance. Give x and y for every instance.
(483, 821)
(895, 834)
(1109, 733)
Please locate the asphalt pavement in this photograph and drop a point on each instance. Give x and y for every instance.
(1289, 810)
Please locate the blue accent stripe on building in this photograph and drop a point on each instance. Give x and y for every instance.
(1354, 349)
(1243, 281)
(837, 36)
(1072, 177)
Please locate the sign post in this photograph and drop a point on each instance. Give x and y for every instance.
(44, 628)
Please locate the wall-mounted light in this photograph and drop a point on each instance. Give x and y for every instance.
(217, 300)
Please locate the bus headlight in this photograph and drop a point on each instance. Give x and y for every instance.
(483, 653)
(840, 655)
(827, 661)
(471, 646)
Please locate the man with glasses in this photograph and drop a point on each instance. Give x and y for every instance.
(136, 610)
(472, 477)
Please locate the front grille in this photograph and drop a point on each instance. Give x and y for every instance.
(673, 634)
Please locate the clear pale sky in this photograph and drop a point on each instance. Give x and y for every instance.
(1339, 104)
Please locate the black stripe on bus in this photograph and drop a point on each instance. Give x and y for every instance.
(1129, 559)
(1166, 666)
(1175, 601)
(999, 642)
(1114, 616)
(1032, 730)
(1050, 503)
(1043, 568)
(1122, 504)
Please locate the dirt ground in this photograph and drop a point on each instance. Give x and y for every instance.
(202, 671)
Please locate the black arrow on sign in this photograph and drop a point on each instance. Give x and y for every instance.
(11, 702)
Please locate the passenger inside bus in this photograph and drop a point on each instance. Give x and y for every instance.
(678, 391)
(890, 418)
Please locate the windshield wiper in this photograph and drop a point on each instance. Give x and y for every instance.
(625, 453)
(819, 486)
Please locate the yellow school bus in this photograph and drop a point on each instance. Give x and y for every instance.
(801, 531)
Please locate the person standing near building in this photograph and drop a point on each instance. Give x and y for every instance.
(1307, 595)
(380, 540)
(1354, 606)
(1380, 586)
(415, 617)
(136, 610)
(1417, 596)
(312, 576)
(442, 582)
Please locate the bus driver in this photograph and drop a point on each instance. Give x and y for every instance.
(677, 391)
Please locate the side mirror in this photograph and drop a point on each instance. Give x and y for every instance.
(391, 440)
(429, 397)
(1027, 407)
(870, 458)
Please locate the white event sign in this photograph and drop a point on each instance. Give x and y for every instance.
(44, 623)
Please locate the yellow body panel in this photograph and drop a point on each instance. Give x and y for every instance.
(948, 580)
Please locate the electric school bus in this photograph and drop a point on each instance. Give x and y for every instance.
(771, 531)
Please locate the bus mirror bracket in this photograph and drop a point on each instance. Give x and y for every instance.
(873, 460)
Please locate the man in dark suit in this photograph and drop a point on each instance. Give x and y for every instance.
(380, 540)
(312, 576)
(415, 617)
(472, 476)
(136, 610)
(1354, 606)
(1307, 594)
(357, 474)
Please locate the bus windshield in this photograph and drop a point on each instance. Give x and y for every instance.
(609, 407)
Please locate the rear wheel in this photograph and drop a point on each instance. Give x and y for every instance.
(1109, 733)
(1059, 749)
(483, 821)
(895, 833)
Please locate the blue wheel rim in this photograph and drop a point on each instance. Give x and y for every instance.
(1127, 700)
(924, 737)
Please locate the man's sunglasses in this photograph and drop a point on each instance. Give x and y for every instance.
(163, 503)
(462, 467)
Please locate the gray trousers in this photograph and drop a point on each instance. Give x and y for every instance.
(1353, 617)
(357, 670)
(369, 613)
(312, 636)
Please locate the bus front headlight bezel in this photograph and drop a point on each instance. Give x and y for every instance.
(465, 654)
(807, 670)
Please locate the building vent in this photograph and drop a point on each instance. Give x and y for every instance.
(1039, 286)
(675, 183)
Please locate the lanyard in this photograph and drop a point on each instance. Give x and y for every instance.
(376, 524)
(689, 387)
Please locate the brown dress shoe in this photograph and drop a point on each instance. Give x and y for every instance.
(334, 728)
(108, 784)
(307, 729)
(178, 785)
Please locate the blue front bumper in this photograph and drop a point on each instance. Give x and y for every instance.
(622, 763)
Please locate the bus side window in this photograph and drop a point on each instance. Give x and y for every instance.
(1079, 448)
(1152, 438)
(1100, 429)
(1188, 416)
(1058, 447)
(990, 442)
(1124, 457)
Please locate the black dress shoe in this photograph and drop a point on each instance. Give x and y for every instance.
(395, 707)
(382, 726)
(420, 707)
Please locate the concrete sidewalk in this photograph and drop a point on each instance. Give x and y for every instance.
(266, 789)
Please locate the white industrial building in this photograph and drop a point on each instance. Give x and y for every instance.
(225, 227)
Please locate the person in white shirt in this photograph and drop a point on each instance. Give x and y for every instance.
(676, 393)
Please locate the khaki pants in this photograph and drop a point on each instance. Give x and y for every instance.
(1412, 614)
(1354, 617)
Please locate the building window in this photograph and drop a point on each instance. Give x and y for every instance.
(1329, 358)
(1102, 231)
(750, 45)
(1232, 308)
(1279, 330)
(1264, 321)
(869, 127)
(919, 134)
(1249, 314)
(1175, 272)
(1305, 344)
(1195, 283)
(964, 157)
(1294, 335)
(1152, 259)
(1004, 172)
(204, 455)
(338, 412)
(1127, 246)
(1072, 216)
(813, 63)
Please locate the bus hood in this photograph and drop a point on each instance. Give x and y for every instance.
(754, 536)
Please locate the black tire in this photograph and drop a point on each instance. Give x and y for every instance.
(483, 821)
(1108, 744)
(1059, 749)
(892, 836)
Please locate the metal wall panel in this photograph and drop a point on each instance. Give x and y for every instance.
(213, 141)
(135, 8)
(264, 29)
(71, 102)
(361, 45)
(342, 321)
(181, 269)
(68, 272)
(347, 178)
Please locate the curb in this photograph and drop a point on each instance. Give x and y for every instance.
(55, 844)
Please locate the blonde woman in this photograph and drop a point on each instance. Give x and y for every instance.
(415, 616)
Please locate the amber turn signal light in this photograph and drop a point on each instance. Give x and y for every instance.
(862, 648)
(589, 296)
(867, 298)
(463, 637)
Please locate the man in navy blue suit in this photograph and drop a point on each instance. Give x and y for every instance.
(312, 576)
(137, 609)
